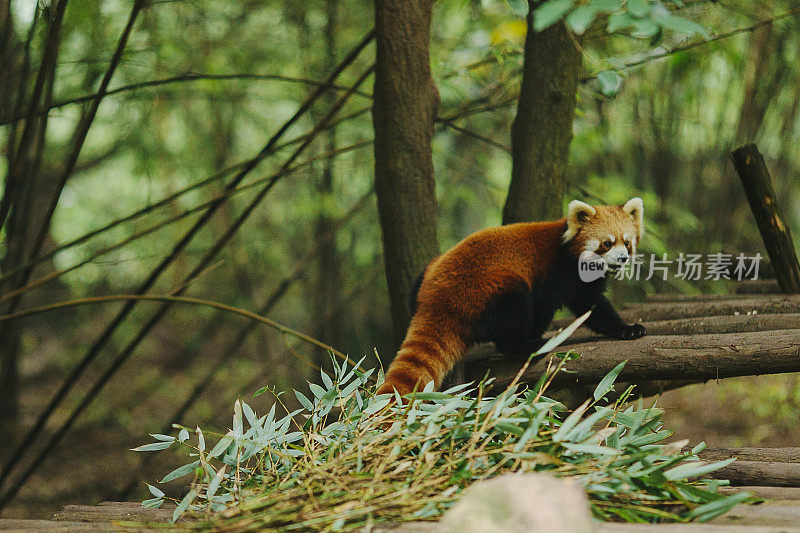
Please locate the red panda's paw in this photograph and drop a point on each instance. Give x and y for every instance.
(633, 331)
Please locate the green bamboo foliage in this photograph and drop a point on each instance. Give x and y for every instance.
(348, 458)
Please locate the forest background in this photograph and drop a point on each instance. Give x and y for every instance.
(195, 91)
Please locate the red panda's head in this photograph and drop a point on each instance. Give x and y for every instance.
(611, 231)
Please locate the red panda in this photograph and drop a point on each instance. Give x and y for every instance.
(504, 284)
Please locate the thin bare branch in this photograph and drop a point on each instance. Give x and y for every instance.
(171, 197)
(183, 78)
(175, 299)
(162, 224)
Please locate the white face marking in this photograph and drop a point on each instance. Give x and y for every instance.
(617, 255)
(611, 238)
(627, 237)
(591, 246)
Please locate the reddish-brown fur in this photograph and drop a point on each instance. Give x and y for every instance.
(457, 288)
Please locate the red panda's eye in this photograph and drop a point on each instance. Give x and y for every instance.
(607, 244)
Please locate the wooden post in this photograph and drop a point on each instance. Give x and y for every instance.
(777, 239)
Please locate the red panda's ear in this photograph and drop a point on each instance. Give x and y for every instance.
(635, 208)
(578, 213)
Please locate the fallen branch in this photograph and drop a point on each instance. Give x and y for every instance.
(651, 358)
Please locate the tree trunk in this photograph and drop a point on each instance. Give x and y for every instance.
(403, 113)
(542, 129)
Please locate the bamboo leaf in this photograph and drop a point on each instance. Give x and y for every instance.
(155, 491)
(590, 448)
(180, 472)
(214, 485)
(238, 430)
(556, 340)
(570, 422)
(221, 446)
(695, 468)
(154, 447)
(607, 383)
(305, 402)
(710, 510)
(184, 504)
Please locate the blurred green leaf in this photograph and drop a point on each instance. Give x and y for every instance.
(550, 12)
(607, 383)
(610, 82)
(581, 18)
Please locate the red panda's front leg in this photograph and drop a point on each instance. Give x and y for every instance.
(604, 318)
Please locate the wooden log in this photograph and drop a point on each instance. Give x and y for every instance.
(758, 286)
(745, 287)
(702, 325)
(646, 312)
(742, 323)
(783, 455)
(12, 525)
(772, 493)
(773, 474)
(115, 511)
(776, 235)
(671, 357)
(783, 516)
(660, 298)
(733, 305)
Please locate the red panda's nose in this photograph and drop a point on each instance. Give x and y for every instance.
(623, 259)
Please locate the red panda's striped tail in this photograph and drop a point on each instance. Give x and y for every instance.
(423, 357)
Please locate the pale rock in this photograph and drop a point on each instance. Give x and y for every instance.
(523, 503)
